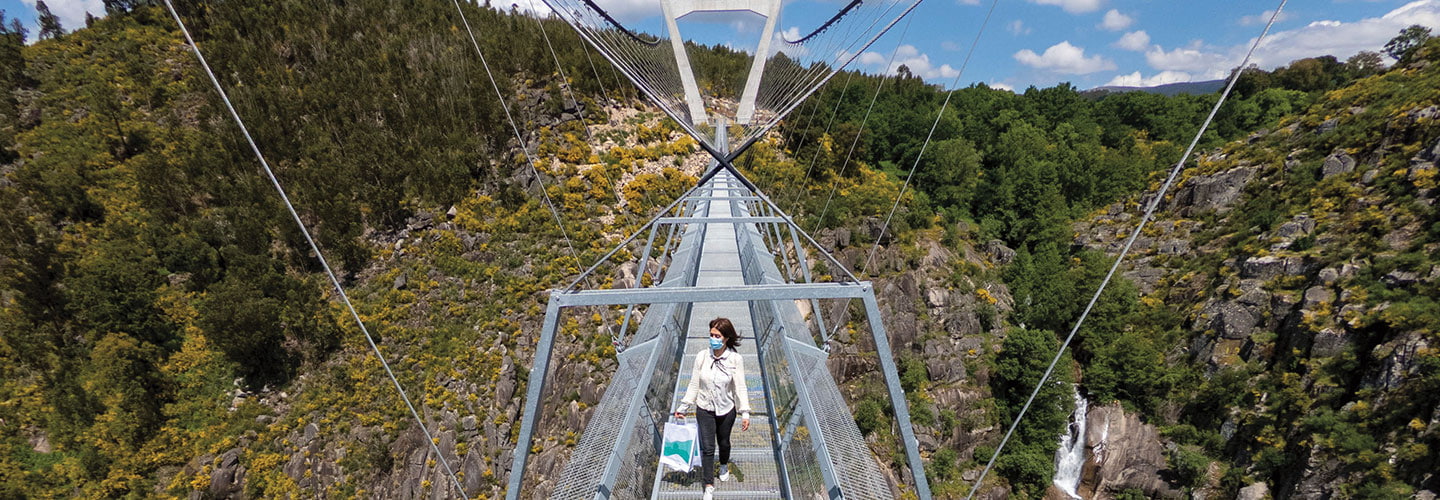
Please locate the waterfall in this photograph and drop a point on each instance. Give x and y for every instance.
(1070, 458)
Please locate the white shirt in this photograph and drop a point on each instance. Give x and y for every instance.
(717, 385)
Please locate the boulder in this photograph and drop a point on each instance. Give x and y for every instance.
(842, 237)
(1401, 278)
(227, 479)
(1146, 278)
(998, 252)
(1174, 246)
(39, 441)
(878, 231)
(505, 383)
(936, 297)
(1296, 227)
(1328, 342)
(1271, 266)
(942, 366)
(625, 275)
(1123, 453)
(1257, 491)
(1337, 163)
(1316, 295)
(1231, 320)
(1213, 192)
(962, 323)
(1329, 276)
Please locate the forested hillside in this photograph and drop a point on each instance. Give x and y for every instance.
(164, 330)
(164, 327)
(1022, 200)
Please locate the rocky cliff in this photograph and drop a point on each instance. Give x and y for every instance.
(1303, 263)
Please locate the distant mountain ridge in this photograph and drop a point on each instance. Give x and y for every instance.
(1169, 89)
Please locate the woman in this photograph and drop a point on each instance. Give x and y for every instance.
(717, 390)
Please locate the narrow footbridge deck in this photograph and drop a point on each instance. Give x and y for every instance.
(803, 441)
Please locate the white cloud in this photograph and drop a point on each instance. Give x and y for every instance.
(1136, 80)
(71, 12)
(1262, 18)
(1342, 39)
(1326, 37)
(949, 45)
(911, 57)
(1073, 6)
(968, 2)
(1194, 59)
(1064, 58)
(1136, 41)
(1017, 28)
(1115, 21)
(1001, 86)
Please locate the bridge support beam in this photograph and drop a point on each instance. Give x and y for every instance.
(897, 396)
(682, 63)
(533, 390)
(746, 112)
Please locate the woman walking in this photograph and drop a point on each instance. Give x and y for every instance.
(717, 390)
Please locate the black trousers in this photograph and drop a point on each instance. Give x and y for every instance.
(713, 429)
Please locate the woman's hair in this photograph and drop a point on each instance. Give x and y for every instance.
(732, 339)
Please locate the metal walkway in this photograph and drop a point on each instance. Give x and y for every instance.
(714, 246)
(751, 453)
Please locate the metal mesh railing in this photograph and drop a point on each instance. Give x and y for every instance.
(825, 453)
(616, 454)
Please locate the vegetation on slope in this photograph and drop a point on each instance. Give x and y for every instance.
(163, 323)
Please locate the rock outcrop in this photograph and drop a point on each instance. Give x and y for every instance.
(1123, 453)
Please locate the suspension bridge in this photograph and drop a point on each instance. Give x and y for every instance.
(725, 249)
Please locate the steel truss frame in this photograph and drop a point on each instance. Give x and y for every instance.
(674, 297)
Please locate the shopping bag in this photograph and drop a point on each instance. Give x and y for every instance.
(680, 449)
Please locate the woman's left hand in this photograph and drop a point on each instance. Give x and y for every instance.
(744, 425)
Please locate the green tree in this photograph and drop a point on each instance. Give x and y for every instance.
(49, 23)
(123, 378)
(1365, 63)
(1027, 460)
(1404, 44)
(950, 171)
(245, 324)
(12, 76)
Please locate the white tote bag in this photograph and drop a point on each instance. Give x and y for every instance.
(681, 447)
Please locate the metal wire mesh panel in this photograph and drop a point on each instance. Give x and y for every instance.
(825, 453)
(592, 455)
(858, 473)
(620, 445)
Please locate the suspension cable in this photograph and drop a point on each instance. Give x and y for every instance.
(865, 266)
(794, 207)
(560, 69)
(1149, 212)
(954, 85)
(529, 160)
(275, 181)
(863, 121)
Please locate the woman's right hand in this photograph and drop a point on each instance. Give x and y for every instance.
(680, 415)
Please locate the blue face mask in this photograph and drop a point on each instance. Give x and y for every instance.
(716, 344)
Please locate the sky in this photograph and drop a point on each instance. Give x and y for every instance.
(1088, 43)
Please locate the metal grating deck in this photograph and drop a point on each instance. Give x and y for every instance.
(752, 451)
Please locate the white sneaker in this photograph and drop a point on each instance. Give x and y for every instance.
(709, 493)
(724, 472)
